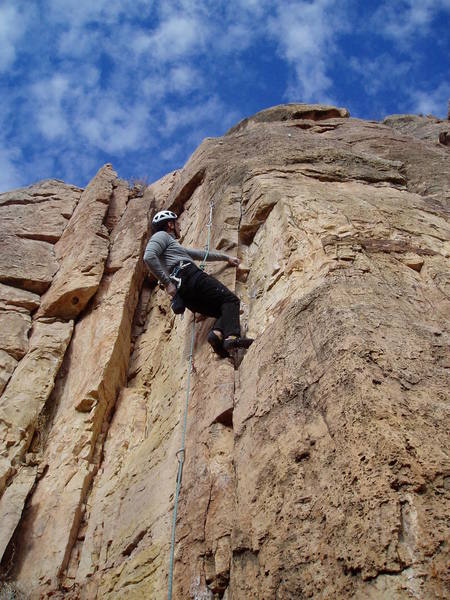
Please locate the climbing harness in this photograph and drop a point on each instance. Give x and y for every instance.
(181, 452)
(176, 271)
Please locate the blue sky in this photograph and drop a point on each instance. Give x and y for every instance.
(141, 83)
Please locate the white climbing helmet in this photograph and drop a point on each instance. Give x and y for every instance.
(163, 215)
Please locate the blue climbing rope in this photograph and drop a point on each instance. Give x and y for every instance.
(181, 452)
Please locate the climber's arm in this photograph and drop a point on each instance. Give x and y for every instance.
(154, 250)
(197, 254)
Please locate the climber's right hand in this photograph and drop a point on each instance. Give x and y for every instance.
(171, 290)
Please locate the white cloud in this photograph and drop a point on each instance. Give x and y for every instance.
(184, 78)
(434, 102)
(74, 163)
(305, 33)
(10, 176)
(256, 8)
(235, 37)
(402, 23)
(111, 127)
(154, 87)
(90, 75)
(380, 73)
(13, 23)
(77, 42)
(48, 96)
(52, 123)
(198, 119)
(176, 37)
(191, 116)
(91, 30)
(172, 152)
(78, 13)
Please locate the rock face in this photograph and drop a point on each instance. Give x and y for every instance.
(317, 465)
(31, 221)
(81, 251)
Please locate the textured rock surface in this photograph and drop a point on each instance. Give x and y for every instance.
(12, 504)
(15, 321)
(82, 250)
(318, 467)
(28, 390)
(14, 327)
(428, 128)
(27, 264)
(82, 403)
(31, 220)
(300, 113)
(7, 366)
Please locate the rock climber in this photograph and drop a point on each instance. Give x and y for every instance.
(173, 265)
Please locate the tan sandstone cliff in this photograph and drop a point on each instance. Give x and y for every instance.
(319, 467)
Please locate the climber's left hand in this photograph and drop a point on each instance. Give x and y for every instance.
(233, 261)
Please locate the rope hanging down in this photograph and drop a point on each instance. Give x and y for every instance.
(181, 452)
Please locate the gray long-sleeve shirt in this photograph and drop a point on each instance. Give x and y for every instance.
(163, 252)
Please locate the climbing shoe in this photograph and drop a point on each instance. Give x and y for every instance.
(236, 342)
(217, 344)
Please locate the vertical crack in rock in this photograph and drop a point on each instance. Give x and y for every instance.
(183, 190)
(21, 405)
(125, 217)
